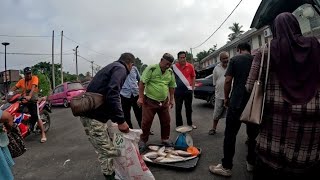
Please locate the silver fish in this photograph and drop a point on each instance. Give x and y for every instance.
(172, 160)
(154, 148)
(161, 151)
(159, 159)
(183, 153)
(171, 156)
(151, 155)
(146, 158)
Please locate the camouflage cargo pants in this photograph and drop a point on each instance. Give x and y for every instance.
(98, 136)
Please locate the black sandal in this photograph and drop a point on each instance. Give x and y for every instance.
(212, 132)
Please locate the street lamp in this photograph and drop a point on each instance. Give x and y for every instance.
(5, 66)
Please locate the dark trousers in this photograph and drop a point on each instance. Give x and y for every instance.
(127, 103)
(232, 128)
(187, 99)
(149, 109)
(264, 172)
(34, 112)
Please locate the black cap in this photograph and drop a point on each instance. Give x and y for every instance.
(168, 57)
(27, 70)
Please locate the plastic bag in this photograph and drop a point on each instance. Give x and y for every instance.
(129, 165)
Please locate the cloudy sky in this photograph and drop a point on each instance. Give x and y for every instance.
(106, 28)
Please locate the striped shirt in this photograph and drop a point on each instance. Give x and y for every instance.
(130, 86)
(289, 138)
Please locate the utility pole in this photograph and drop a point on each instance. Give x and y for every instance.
(53, 76)
(77, 63)
(61, 58)
(191, 57)
(91, 68)
(5, 67)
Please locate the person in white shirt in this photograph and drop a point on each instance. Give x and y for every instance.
(218, 81)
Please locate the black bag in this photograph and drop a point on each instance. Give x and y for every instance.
(16, 143)
(82, 105)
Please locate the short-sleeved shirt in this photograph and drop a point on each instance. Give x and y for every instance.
(189, 74)
(218, 81)
(187, 71)
(26, 86)
(156, 83)
(239, 68)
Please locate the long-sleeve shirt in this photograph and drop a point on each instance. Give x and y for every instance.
(108, 82)
(130, 86)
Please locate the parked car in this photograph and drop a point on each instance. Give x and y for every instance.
(204, 89)
(63, 93)
(85, 84)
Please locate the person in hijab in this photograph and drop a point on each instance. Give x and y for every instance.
(288, 146)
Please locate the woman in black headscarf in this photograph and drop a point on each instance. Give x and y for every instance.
(288, 145)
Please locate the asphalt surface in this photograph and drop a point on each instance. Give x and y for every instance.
(68, 154)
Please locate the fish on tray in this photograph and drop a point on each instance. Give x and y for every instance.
(166, 155)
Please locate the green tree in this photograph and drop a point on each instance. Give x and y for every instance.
(44, 84)
(236, 31)
(46, 68)
(201, 55)
(189, 57)
(69, 77)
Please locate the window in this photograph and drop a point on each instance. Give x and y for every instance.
(74, 86)
(57, 90)
(260, 40)
(309, 19)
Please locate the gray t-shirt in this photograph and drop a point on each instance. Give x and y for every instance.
(239, 68)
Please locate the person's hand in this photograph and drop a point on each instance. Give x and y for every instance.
(171, 103)
(226, 103)
(123, 127)
(140, 101)
(24, 101)
(27, 98)
(8, 119)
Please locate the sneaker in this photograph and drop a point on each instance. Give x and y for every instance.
(110, 177)
(250, 167)
(142, 146)
(220, 170)
(194, 126)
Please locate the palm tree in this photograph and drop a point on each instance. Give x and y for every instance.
(236, 31)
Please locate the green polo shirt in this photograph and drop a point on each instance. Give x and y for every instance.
(157, 84)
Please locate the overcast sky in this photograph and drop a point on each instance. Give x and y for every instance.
(107, 28)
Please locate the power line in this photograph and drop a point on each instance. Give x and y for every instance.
(35, 60)
(24, 36)
(219, 26)
(87, 60)
(86, 46)
(34, 54)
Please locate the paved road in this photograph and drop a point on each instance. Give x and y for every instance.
(69, 155)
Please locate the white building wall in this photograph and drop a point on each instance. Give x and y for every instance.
(255, 42)
(231, 53)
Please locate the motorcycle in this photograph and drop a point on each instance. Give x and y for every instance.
(15, 105)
